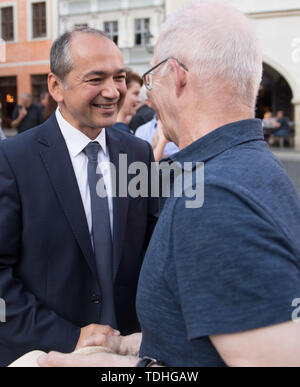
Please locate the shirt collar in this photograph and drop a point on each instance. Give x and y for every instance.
(77, 141)
(219, 140)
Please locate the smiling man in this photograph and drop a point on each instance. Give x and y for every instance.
(69, 259)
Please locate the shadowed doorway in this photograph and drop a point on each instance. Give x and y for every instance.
(274, 94)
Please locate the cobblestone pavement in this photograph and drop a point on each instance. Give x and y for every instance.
(291, 162)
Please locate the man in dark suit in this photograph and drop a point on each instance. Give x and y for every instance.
(63, 264)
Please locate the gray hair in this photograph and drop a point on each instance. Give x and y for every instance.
(217, 43)
(61, 61)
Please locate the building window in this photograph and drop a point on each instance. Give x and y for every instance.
(81, 25)
(39, 86)
(39, 23)
(142, 32)
(7, 23)
(112, 30)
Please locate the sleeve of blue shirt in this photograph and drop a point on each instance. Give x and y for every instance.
(236, 269)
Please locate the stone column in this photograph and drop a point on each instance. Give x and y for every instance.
(158, 19)
(124, 26)
(297, 124)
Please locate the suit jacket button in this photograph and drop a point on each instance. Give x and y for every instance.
(96, 299)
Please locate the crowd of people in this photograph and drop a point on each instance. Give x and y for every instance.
(26, 115)
(154, 281)
(137, 116)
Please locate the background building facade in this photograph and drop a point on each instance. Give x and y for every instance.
(133, 24)
(27, 28)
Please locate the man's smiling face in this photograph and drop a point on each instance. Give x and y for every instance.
(95, 89)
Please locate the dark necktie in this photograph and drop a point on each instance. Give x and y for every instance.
(102, 238)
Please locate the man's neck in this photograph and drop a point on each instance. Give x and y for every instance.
(91, 133)
(191, 130)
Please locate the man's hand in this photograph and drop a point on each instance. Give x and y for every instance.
(95, 329)
(159, 138)
(121, 345)
(125, 348)
(21, 114)
(159, 142)
(56, 359)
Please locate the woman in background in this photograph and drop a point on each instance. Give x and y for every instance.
(132, 101)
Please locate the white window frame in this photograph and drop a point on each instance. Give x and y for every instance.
(111, 33)
(15, 18)
(142, 31)
(29, 20)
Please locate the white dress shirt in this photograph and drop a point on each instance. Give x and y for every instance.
(76, 142)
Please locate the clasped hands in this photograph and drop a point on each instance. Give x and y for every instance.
(124, 349)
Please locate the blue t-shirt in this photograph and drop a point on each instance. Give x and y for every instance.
(230, 266)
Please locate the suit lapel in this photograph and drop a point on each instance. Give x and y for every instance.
(120, 204)
(55, 156)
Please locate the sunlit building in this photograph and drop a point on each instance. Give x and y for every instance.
(133, 24)
(27, 28)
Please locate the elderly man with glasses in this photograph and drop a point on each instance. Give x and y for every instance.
(220, 283)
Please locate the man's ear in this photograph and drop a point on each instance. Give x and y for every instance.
(55, 87)
(180, 76)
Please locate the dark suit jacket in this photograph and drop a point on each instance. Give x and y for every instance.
(47, 265)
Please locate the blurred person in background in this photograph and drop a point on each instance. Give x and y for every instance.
(2, 135)
(50, 107)
(282, 126)
(132, 101)
(269, 123)
(26, 115)
(44, 101)
(153, 133)
(144, 114)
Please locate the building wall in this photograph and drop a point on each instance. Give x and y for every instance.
(26, 56)
(96, 12)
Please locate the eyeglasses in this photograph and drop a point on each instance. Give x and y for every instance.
(147, 77)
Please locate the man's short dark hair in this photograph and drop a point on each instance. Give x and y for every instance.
(61, 61)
